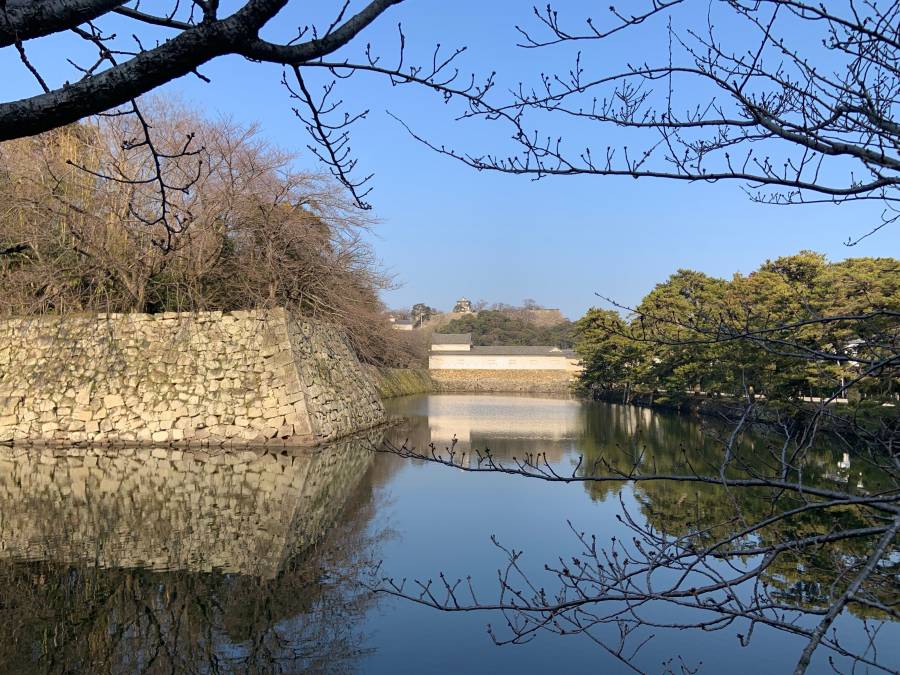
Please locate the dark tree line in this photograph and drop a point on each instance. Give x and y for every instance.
(655, 348)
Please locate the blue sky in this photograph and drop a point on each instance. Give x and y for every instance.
(447, 231)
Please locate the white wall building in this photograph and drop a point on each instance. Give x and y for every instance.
(454, 351)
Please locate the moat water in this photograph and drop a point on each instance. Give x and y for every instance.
(165, 561)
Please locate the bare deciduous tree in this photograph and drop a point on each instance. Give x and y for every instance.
(797, 101)
(257, 232)
(187, 35)
(736, 95)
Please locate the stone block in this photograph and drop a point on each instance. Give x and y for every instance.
(82, 414)
(8, 404)
(113, 401)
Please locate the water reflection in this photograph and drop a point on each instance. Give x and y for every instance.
(121, 560)
(810, 578)
(621, 436)
(506, 424)
(626, 438)
(168, 561)
(629, 438)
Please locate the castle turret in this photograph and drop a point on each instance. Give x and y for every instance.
(463, 306)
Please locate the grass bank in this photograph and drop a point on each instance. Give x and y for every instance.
(393, 382)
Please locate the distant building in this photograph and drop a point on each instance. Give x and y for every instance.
(451, 342)
(463, 306)
(402, 324)
(454, 351)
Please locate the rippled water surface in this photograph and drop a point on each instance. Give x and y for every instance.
(170, 561)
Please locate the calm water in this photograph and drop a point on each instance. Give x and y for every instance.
(163, 561)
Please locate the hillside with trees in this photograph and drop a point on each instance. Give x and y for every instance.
(511, 326)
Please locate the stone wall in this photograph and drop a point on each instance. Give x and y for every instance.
(531, 381)
(209, 378)
(162, 508)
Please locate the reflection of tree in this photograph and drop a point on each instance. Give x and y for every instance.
(814, 578)
(61, 618)
(624, 437)
(77, 617)
(738, 526)
(810, 577)
(627, 436)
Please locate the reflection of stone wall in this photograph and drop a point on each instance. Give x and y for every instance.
(164, 508)
(537, 381)
(239, 377)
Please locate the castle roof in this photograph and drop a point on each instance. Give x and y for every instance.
(451, 338)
